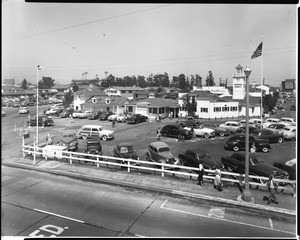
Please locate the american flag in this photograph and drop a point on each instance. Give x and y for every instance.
(258, 51)
(39, 67)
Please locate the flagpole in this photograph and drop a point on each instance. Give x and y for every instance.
(262, 78)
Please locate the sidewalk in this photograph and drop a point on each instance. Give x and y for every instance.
(169, 184)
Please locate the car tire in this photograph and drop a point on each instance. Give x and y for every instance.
(265, 149)
(280, 140)
(84, 137)
(197, 124)
(104, 137)
(222, 134)
(206, 135)
(236, 148)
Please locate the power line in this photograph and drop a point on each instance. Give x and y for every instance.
(86, 23)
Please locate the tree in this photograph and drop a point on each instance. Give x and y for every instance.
(75, 87)
(189, 104)
(182, 84)
(24, 84)
(46, 83)
(269, 101)
(141, 82)
(210, 81)
(68, 98)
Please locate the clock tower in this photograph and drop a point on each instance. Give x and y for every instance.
(239, 83)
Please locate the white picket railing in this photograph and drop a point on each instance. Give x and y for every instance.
(284, 184)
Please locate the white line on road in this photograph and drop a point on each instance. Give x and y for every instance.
(271, 223)
(57, 215)
(221, 219)
(137, 235)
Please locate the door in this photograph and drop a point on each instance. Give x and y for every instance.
(95, 132)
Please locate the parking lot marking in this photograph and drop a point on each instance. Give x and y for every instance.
(271, 223)
(222, 219)
(57, 215)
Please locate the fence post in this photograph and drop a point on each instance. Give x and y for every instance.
(128, 168)
(163, 169)
(190, 174)
(97, 161)
(70, 158)
(29, 121)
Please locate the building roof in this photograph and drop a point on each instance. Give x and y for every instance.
(127, 88)
(61, 86)
(158, 102)
(253, 101)
(89, 92)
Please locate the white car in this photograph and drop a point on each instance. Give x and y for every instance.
(51, 111)
(23, 110)
(270, 121)
(291, 121)
(112, 117)
(202, 131)
(232, 126)
(288, 132)
(121, 118)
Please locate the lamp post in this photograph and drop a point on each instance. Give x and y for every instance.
(36, 142)
(246, 195)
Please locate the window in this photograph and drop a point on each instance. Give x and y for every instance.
(225, 109)
(204, 110)
(130, 91)
(155, 110)
(94, 100)
(94, 130)
(123, 91)
(217, 109)
(150, 110)
(233, 109)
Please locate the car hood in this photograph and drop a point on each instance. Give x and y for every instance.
(107, 132)
(166, 155)
(266, 170)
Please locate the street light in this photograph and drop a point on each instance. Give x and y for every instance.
(36, 142)
(246, 195)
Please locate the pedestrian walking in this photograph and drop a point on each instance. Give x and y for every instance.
(217, 181)
(272, 188)
(193, 132)
(158, 133)
(201, 173)
(71, 118)
(170, 116)
(113, 123)
(48, 139)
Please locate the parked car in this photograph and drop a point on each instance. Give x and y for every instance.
(16, 104)
(290, 121)
(77, 113)
(112, 117)
(173, 130)
(276, 127)
(267, 134)
(51, 111)
(31, 103)
(289, 166)
(23, 104)
(137, 118)
(251, 123)
(160, 152)
(94, 115)
(85, 114)
(122, 117)
(3, 113)
(242, 129)
(42, 120)
(189, 121)
(191, 158)
(219, 131)
(288, 132)
(23, 110)
(66, 113)
(202, 131)
(269, 121)
(69, 141)
(257, 167)
(125, 150)
(232, 126)
(95, 131)
(104, 115)
(237, 142)
(93, 146)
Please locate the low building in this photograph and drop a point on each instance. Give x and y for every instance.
(127, 92)
(288, 85)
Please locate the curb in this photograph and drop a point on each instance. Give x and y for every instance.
(248, 205)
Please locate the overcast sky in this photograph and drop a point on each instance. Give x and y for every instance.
(68, 39)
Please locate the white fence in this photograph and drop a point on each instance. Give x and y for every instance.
(132, 164)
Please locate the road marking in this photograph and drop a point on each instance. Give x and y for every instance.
(216, 212)
(222, 219)
(137, 235)
(271, 223)
(57, 215)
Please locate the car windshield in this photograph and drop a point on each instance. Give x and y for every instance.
(287, 129)
(164, 149)
(255, 160)
(93, 144)
(127, 149)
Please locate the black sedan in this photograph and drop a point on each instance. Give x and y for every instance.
(267, 134)
(242, 129)
(190, 158)
(105, 115)
(236, 163)
(94, 115)
(42, 121)
(127, 151)
(137, 118)
(174, 130)
(289, 166)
